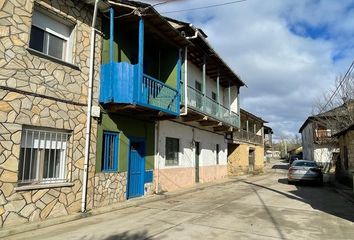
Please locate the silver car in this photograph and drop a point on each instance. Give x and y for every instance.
(305, 170)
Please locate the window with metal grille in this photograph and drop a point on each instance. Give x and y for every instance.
(172, 150)
(43, 156)
(110, 151)
(50, 35)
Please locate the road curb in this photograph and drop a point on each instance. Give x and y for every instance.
(6, 232)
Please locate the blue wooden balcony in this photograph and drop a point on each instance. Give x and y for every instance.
(121, 83)
(125, 82)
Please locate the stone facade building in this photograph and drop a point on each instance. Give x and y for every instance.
(44, 71)
(345, 162)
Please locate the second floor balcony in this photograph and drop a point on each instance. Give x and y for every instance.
(246, 136)
(141, 62)
(210, 107)
(121, 83)
(323, 135)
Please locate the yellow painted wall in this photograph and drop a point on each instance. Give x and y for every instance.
(238, 159)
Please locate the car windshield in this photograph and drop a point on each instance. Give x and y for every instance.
(305, 164)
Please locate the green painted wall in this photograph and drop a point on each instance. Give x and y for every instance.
(160, 58)
(126, 127)
(125, 44)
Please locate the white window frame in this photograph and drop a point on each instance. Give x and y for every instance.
(40, 140)
(52, 24)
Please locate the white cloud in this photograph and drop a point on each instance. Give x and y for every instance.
(267, 44)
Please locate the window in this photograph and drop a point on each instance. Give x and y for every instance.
(214, 106)
(198, 86)
(217, 148)
(213, 96)
(43, 156)
(50, 36)
(110, 151)
(199, 96)
(172, 150)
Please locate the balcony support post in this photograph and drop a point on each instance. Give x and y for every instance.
(111, 47)
(247, 130)
(204, 81)
(229, 98)
(111, 36)
(218, 91)
(140, 60)
(178, 97)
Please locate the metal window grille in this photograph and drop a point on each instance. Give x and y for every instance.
(110, 152)
(43, 156)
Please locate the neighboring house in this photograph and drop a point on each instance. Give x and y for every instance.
(268, 139)
(140, 85)
(268, 143)
(246, 148)
(44, 72)
(296, 152)
(193, 148)
(317, 141)
(345, 162)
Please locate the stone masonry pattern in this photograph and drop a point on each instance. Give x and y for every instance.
(36, 91)
(110, 188)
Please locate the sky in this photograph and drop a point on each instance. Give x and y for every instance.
(287, 52)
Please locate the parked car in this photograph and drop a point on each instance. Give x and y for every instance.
(305, 170)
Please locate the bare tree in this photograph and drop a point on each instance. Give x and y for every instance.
(335, 110)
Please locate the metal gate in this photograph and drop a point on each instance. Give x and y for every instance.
(136, 170)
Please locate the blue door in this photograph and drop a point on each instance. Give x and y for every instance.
(136, 169)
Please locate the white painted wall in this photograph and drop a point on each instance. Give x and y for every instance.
(324, 155)
(186, 135)
(196, 74)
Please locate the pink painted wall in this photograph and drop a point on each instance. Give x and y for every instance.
(172, 179)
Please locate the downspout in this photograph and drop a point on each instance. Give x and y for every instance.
(157, 156)
(89, 106)
(196, 33)
(185, 82)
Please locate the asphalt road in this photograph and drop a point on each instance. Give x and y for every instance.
(262, 207)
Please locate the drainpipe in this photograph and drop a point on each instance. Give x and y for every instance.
(185, 82)
(195, 34)
(157, 156)
(89, 106)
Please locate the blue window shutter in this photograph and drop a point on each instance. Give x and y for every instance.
(110, 152)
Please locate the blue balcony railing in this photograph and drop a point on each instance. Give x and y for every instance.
(159, 95)
(121, 84)
(206, 105)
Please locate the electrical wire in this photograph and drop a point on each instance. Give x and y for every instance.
(204, 7)
(349, 71)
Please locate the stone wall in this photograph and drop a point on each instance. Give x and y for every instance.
(343, 174)
(109, 188)
(237, 159)
(40, 92)
(238, 163)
